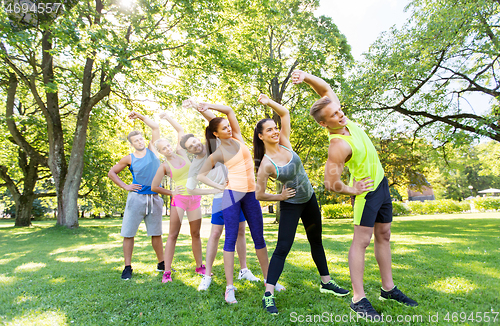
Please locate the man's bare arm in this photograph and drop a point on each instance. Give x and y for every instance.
(338, 152)
(319, 85)
(117, 168)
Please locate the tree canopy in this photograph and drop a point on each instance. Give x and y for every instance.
(424, 75)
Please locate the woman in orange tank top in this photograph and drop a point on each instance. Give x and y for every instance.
(240, 191)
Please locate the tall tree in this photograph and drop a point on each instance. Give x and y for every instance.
(257, 51)
(72, 59)
(426, 74)
(21, 165)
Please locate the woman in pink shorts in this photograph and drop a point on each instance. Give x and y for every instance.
(176, 166)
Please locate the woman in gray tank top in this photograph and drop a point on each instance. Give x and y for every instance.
(275, 158)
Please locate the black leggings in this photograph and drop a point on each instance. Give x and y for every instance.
(310, 214)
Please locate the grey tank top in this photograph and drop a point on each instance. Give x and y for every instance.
(293, 175)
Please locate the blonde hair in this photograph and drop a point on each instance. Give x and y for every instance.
(318, 107)
(160, 140)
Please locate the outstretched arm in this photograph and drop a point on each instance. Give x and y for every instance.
(319, 85)
(284, 116)
(155, 128)
(231, 117)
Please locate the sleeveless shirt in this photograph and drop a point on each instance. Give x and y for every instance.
(143, 171)
(364, 161)
(240, 169)
(293, 175)
(180, 174)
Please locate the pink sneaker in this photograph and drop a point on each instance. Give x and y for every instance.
(166, 277)
(200, 270)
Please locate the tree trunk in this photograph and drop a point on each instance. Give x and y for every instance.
(23, 210)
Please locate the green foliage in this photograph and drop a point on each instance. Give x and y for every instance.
(400, 208)
(441, 206)
(452, 168)
(255, 53)
(337, 211)
(486, 203)
(422, 77)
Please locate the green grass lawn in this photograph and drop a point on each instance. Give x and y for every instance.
(56, 276)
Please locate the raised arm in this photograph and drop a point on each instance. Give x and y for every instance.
(319, 85)
(180, 131)
(231, 117)
(155, 128)
(190, 103)
(338, 153)
(265, 170)
(284, 116)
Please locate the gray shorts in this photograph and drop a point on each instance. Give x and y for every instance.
(142, 207)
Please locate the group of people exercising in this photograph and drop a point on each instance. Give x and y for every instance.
(225, 164)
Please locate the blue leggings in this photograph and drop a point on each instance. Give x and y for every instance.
(232, 203)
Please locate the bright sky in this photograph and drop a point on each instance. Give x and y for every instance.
(362, 21)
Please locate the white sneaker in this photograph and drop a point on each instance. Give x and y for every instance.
(229, 295)
(205, 283)
(246, 274)
(278, 287)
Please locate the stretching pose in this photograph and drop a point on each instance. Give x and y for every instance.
(218, 175)
(275, 158)
(176, 166)
(240, 191)
(142, 202)
(349, 145)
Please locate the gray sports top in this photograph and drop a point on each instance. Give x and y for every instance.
(293, 175)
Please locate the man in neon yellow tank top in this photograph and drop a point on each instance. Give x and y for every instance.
(350, 146)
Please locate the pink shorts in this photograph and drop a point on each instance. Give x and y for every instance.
(186, 202)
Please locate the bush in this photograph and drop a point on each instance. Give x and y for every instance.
(399, 208)
(486, 203)
(438, 206)
(337, 211)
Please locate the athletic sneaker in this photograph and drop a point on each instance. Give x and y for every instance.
(269, 304)
(229, 296)
(127, 273)
(205, 283)
(396, 295)
(278, 287)
(246, 274)
(333, 288)
(365, 309)
(200, 270)
(160, 267)
(167, 277)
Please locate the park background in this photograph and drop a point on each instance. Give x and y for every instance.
(426, 92)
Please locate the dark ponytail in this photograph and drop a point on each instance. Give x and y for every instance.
(258, 145)
(211, 140)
